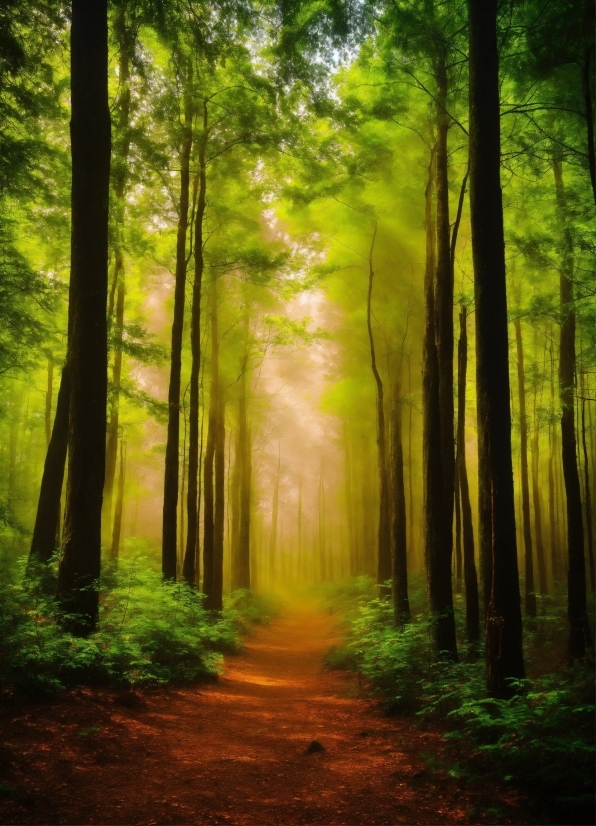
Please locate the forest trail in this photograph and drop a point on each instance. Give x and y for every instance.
(234, 752)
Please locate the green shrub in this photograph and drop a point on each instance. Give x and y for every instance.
(150, 632)
(542, 739)
(245, 609)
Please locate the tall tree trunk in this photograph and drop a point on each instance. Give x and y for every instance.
(443, 321)
(244, 551)
(579, 630)
(116, 533)
(112, 441)
(125, 35)
(399, 564)
(216, 598)
(552, 494)
(536, 496)
(412, 543)
(384, 531)
(437, 547)
(530, 594)
(349, 498)
(458, 540)
(589, 536)
(188, 569)
(504, 653)
(171, 470)
(209, 487)
(87, 345)
(274, 514)
(301, 563)
(43, 543)
(48, 407)
(470, 575)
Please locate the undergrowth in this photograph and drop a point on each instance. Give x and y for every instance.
(150, 632)
(541, 740)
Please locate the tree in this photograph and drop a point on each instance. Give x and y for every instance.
(504, 653)
(87, 341)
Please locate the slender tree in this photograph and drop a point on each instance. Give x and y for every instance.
(504, 653)
(171, 471)
(579, 629)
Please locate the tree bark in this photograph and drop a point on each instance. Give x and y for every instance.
(48, 407)
(399, 564)
(80, 563)
(322, 537)
(579, 630)
(188, 569)
(589, 535)
(209, 489)
(540, 557)
(117, 530)
(470, 575)
(43, 543)
(530, 594)
(172, 461)
(215, 601)
(437, 545)
(384, 530)
(274, 514)
(504, 654)
(244, 550)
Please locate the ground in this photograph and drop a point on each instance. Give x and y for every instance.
(236, 751)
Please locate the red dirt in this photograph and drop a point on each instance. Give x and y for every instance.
(234, 752)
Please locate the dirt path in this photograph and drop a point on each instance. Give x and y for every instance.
(232, 752)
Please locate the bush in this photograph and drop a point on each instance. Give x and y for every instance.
(542, 739)
(150, 632)
(246, 609)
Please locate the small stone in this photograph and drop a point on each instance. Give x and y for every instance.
(365, 733)
(314, 747)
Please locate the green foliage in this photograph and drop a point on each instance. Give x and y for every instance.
(542, 739)
(151, 632)
(245, 609)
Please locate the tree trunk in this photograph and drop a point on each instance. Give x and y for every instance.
(588, 494)
(209, 509)
(87, 345)
(48, 408)
(171, 470)
(125, 37)
(349, 502)
(399, 564)
(530, 594)
(535, 452)
(188, 569)
(43, 543)
(552, 493)
(579, 631)
(216, 598)
(470, 576)
(443, 322)
(384, 531)
(504, 652)
(115, 549)
(274, 514)
(437, 546)
(245, 450)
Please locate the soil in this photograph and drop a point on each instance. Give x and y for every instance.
(237, 751)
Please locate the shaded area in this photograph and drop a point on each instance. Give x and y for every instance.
(234, 752)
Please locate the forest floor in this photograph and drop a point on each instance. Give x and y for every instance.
(235, 751)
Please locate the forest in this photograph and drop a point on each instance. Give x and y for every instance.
(297, 411)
